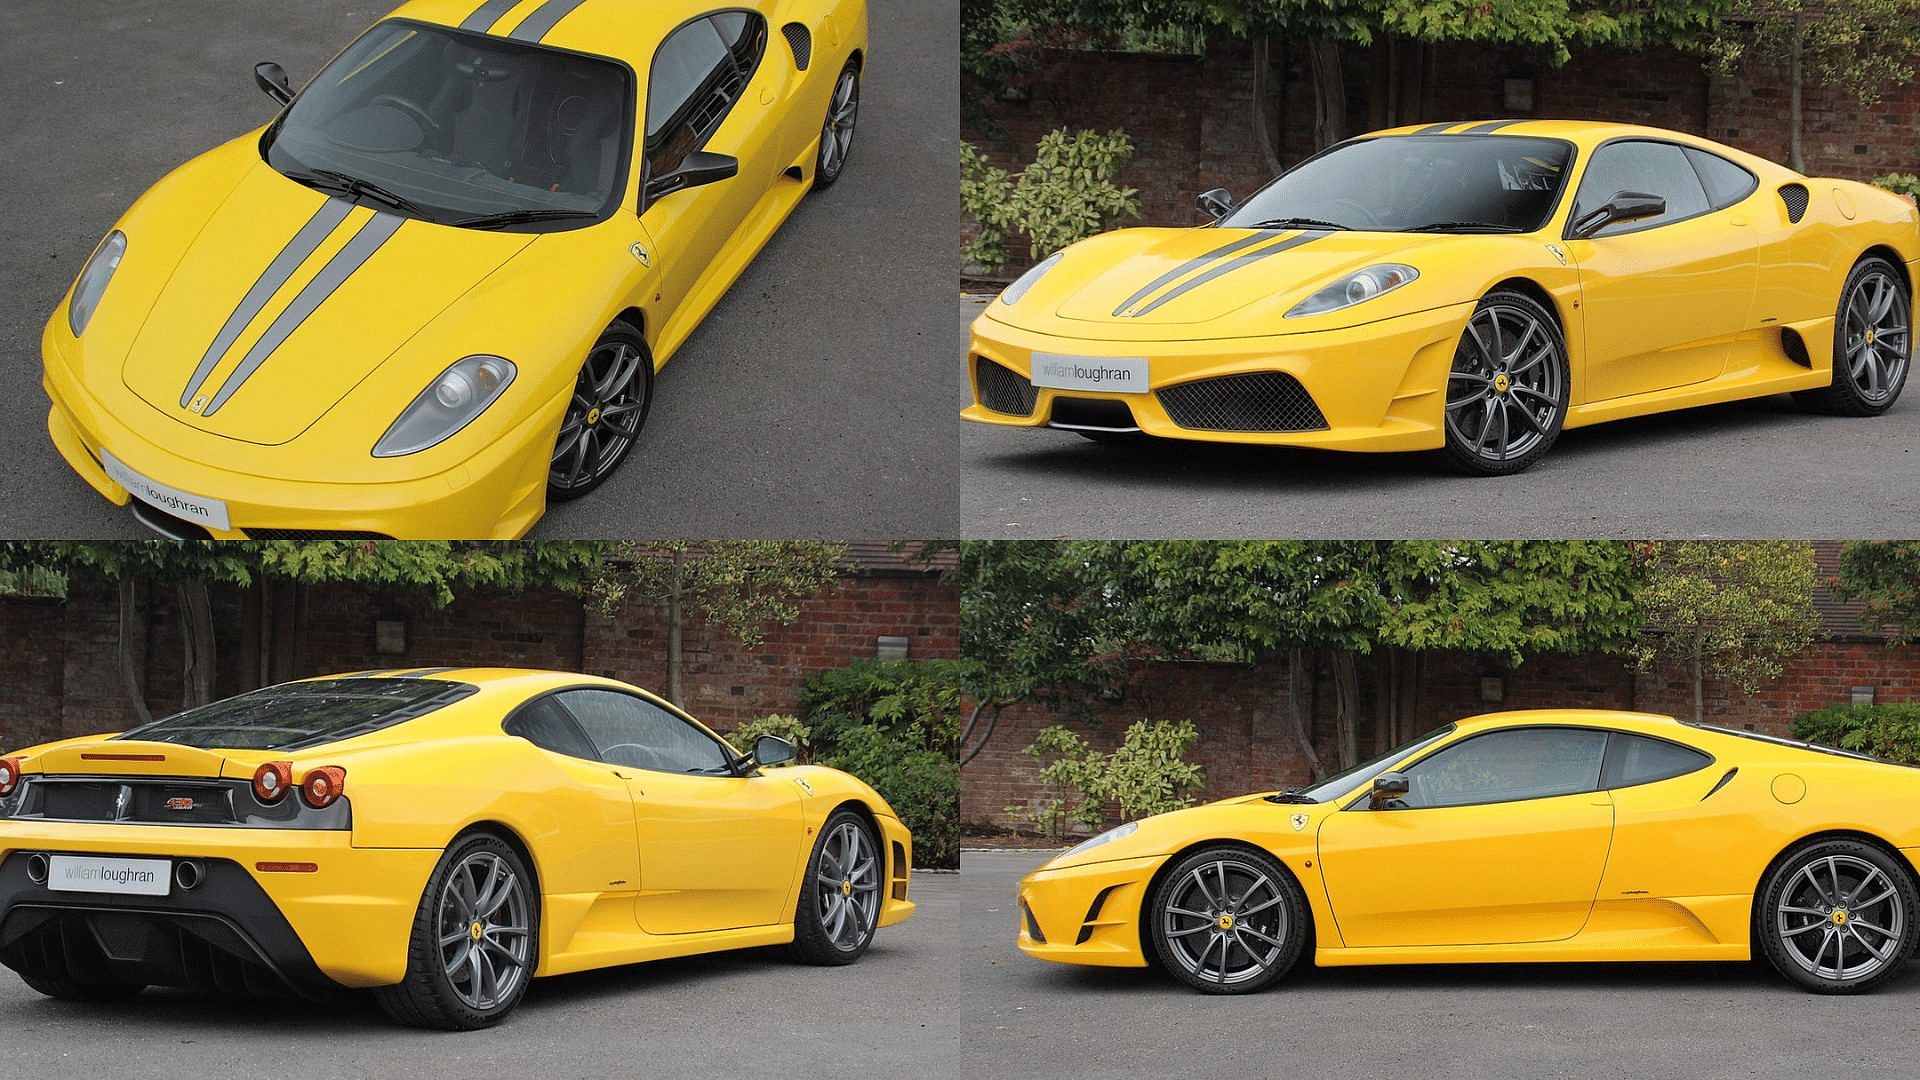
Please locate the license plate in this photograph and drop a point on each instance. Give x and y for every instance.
(1118, 376)
(98, 874)
(212, 513)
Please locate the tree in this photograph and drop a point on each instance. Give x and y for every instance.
(1734, 610)
(739, 586)
(1862, 48)
(1885, 575)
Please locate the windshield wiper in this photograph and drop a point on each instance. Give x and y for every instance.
(355, 187)
(1293, 795)
(519, 217)
(1466, 226)
(1299, 223)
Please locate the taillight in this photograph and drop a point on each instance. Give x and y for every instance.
(272, 780)
(323, 785)
(9, 774)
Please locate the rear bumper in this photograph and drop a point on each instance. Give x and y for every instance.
(895, 907)
(345, 924)
(1087, 914)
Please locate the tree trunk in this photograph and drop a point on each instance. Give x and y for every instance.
(1796, 82)
(1329, 92)
(1302, 725)
(1699, 705)
(674, 614)
(129, 676)
(196, 644)
(1263, 126)
(1346, 706)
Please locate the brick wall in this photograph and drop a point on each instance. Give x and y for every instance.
(59, 674)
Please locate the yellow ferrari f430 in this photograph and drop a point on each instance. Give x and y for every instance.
(440, 836)
(1471, 289)
(1525, 836)
(432, 295)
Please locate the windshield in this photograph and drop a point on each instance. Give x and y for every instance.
(295, 715)
(462, 127)
(1342, 783)
(1418, 183)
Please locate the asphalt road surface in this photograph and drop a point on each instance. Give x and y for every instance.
(814, 402)
(1761, 468)
(1030, 1018)
(743, 1014)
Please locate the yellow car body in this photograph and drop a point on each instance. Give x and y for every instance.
(321, 315)
(1736, 302)
(1661, 870)
(631, 863)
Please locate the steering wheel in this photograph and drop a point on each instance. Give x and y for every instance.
(413, 109)
(642, 753)
(1367, 216)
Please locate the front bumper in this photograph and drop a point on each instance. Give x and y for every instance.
(895, 907)
(1087, 914)
(344, 925)
(497, 494)
(1377, 387)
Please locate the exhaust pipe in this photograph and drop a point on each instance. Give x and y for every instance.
(38, 868)
(187, 874)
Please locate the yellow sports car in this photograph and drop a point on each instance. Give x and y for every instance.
(1547, 835)
(432, 295)
(1469, 288)
(439, 835)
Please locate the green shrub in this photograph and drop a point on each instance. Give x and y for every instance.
(1900, 183)
(923, 787)
(789, 728)
(1885, 731)
(1148, 774)
(1067, 194)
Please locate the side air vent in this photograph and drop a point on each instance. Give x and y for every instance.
(1795, 347)
(802, 42)
(1795, 198)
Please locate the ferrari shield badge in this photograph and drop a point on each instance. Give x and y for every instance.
(1299, 822)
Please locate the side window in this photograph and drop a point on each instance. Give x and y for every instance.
(1654, 168)
(1726, 182)
(546, 725)
(626, 730)
(1507, 766)
(1636, 759)
(697, 75)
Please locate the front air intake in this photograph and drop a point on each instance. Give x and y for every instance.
(1003, 391)
(801, 41)
(1256, 401)
(1794, 197)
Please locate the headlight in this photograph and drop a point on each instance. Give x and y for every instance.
(1356, 288)
(1107, 837)
(450, 403)
(1026, 281)
(93, 281)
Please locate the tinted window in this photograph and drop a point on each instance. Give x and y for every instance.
(1652, 168)
(302, 714)
(1505, 766)
(1634, 759)
(685, 64)
(697, 76)
(626, 730)
(1405, 183)
(1726, 182)
(546, 725)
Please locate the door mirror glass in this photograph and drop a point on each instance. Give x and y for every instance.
(272, 78)
(1623, 206)
(699, 169)
(1216, 204)
(1388, 790)
(773, 750)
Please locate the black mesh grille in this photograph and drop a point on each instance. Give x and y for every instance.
(802, 43)
(310, 534)
(1795, 198)
(1260, 401)
(1003, 391)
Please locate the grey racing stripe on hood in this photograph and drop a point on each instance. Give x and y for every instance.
(376, 232)
(1231, 265)
(488, 14)
(1189, 267)
(1489, 126)
(535, 26)
(272, 279)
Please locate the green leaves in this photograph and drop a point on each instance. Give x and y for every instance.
(1147, 774)
(739, 586)
(1884, 731)
(1885, 575)
(1068, 193)
(1737, 609)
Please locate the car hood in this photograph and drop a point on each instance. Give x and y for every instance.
(1278, 827)
(1211, 282)
(287, 299)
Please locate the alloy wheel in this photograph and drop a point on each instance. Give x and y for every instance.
(1841, 918)
(1226, 921)
(836, 137)
(484, 927)
(1504, 393)
(1878, 340)
(847, 885)
(604, 417)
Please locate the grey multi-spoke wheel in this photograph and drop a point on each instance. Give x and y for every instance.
(1507, 393)
(836, 135)
(1872, 343)
(840, 905)
(1836, 916)
(475, 940)
(1227, 920)
(611, 398)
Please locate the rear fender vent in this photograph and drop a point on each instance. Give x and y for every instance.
(801, 41)
(1795, 347)
(1794, 196)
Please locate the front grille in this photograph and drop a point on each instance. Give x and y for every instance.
(311, 534)
(802, 43)
(1258, 401)
(1003, 391)
(1794, 196)
(1092, 414)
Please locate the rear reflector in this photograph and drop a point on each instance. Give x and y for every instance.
(9, 775)
(286, 867)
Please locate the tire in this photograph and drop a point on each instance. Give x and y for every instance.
(1876, 307)
(96, 990)
(1509, 371)
(612, 396)
(1258, 912)
(836, 133)
(1819, 948)
(442, 989)
(834, 921)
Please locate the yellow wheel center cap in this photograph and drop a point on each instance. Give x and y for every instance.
(1869, 335)
(846, 887)
(593, 416)
(477, 930)
(1840, 917)
(1501, 382)
(1224, 922)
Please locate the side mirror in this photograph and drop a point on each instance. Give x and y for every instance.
(273, 79)
(1624, 206)
(773, 750)
(698, 170)
(1216, 204)
(1388, 788)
